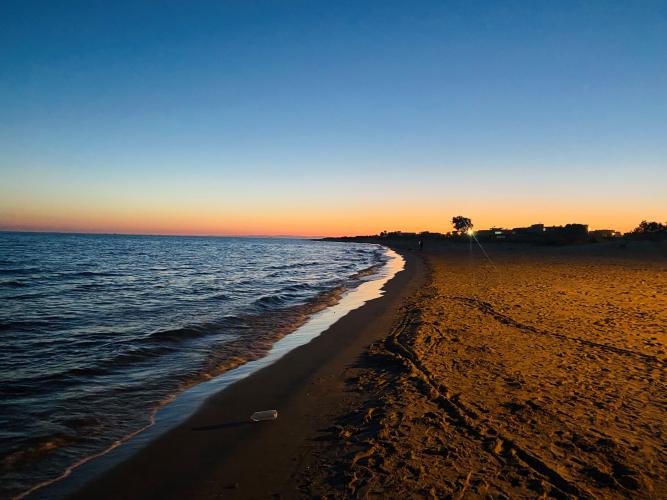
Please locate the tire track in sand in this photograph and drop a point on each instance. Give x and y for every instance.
(466, 418)
(488, 308)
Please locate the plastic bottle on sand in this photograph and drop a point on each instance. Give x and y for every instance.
(260, 416)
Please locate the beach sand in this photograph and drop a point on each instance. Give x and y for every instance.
(540, 374)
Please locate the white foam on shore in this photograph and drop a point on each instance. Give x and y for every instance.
(177, 410)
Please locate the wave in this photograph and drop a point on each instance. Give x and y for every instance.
(187, 332)
(39, 447)
(302, 286)
(369, 271)
(86, 372)
(49, 382)
(119, 361)
(135, 355)
(231, 322)
(14, 284)
(295, 265)
(291, 295)
(91, 286)
(87, 274)
(24, 326)
(28, 296)
(20, 270)
(271, 300)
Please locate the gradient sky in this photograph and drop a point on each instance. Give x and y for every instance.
(326, 118)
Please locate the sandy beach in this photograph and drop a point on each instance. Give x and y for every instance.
(540, 373)
(543, 374)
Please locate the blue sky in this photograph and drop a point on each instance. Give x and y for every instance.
(236, 108)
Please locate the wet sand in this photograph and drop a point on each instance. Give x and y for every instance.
(543, 374)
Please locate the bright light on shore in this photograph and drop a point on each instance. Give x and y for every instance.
(470, 232)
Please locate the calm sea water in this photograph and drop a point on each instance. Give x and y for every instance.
(97, 331)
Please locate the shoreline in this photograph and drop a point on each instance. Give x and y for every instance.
(115, 474)
(461, 379)
(128, 336)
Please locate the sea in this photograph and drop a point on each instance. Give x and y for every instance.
(98, 332)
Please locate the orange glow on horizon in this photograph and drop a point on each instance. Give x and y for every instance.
(353, 219)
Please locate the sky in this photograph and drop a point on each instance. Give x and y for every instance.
(330, 118)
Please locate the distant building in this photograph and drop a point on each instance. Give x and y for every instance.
(495, 233)
(532, 233)
(603, 234)
(539, 233)
(569, 233)
(577, 228)
(535, 229)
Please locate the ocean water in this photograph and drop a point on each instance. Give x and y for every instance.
(99, 331)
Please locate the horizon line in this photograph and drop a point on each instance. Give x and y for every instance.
(213, 235)
(178, 235)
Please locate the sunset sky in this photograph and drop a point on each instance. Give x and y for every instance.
(329, 118)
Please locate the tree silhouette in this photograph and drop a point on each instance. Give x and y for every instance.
(649, 227)
(461, 224)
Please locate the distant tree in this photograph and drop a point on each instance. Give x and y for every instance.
(649, 227)
(461, 224)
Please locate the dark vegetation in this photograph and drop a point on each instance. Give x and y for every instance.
(462, 224)
(537, 234)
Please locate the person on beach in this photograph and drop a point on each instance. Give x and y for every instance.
(421, 245)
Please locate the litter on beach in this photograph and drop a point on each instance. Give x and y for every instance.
(260, 416)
